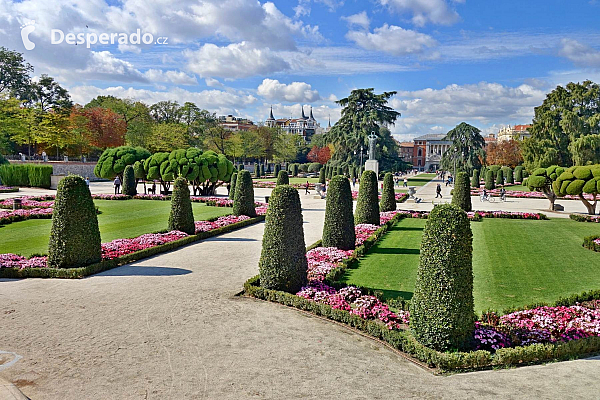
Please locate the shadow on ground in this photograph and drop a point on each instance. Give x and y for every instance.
(140, 270)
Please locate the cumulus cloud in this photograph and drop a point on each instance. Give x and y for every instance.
(211, 82)
(176, 77)
(237, 60)
(579, 53)
(392, 39)
(425, 11)
(272, 89)
(361, 19)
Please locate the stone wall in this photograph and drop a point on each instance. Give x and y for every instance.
(66, 168)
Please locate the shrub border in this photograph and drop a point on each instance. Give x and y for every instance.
(588, 243)
(10, 190)
(104, 265)
(584, 218)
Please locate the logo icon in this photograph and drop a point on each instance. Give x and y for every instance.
(26, 29)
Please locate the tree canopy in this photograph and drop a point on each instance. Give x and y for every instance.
(465, 150)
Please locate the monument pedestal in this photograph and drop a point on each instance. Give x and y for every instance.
(372, 165)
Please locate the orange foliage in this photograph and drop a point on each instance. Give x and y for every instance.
(320, 155)
(106, 128)
(507, 153)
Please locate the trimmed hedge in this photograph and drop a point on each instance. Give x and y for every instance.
(182, 215)
(489, 180)
(475, 179)
(585, 218)
(283, 264)
(508, 174)
(519, 173)
(243, 201)
(388, 195)
(283, 178)
(262, 169)
(232, 185)
(499, 178)
(26, 175)
(256, 170)
(322, 175)
(589, 242)
(294, 169)
(129, 182)
(461, 196)
(74, 236)
(338, 229)
(367, 203)
(276, 170)
(442, 307)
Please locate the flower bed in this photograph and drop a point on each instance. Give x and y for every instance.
(28, 202)
(206, 226)
(271, 185)
(400, 197)
(525, 194)
(585, 218)
(592, 242)
(7, 217)
(8, 189)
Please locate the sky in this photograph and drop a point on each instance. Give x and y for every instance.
(488, 63)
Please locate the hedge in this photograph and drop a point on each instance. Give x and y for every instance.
(461, 197)
(243, 202)
(75, 273)
(182, 215)
(26, 175)
(489, 180)
(283, 178)
(129, 182)
(367, 203)
(519, 173)
(256, 170)
(276, 169)
(589, 242)
(388, 195)
(338, 228)
(322, 175)
(232, 183)
(499, 178)
(475, 179)
(585, 218)
(508, 174)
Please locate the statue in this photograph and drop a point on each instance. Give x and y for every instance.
(372, 140)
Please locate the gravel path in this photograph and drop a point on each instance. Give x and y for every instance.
(169, 327)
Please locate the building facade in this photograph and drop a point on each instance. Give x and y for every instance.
(235, 124)
(304, 126)
(428, 151)
(405, 151)
(516, 132)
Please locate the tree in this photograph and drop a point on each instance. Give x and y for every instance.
(367, 203)
(504, 153)
(168, 112)
(106, 128)
(442, 310)
(567, 114)
(319, 154)
(467, 145)
(167, 137)
(461, 197)
(268, 138)
(13, 122)
(338, 229)
(243, 203)
(113, 161)
(74, 236)
(182, 215)
(283, 264)
(287, 146)
(14, 72)
(388, 195)
(216, 138)
(47, 94)
(541, 180)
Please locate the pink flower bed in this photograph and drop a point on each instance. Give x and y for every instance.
(526, 194)
(104, 196)
(205, 226)
(27, 202)
(400, 197)
(363, 231)
(121, 247)
(321, 260)
(22, 214)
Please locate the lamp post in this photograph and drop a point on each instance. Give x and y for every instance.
(361, 157)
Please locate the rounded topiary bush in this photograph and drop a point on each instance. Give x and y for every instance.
(442, 312)
(489, 180)
(499, 178)
(388, 195)
(475, 179)
(322, 176)
(232, 183)
(367, 204)
(283, 178)
(182, 216)
(74, 236)
(129, 183)
(283, 264)
(243, 200)
(338, 229)
(461, 196)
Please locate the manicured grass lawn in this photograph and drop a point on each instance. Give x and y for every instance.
(515, 262)
(119, 219)
(417, 180)
(292, 180)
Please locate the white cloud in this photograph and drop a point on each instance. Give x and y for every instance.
(238, 60)
(272, 89)
(579, 53)
(211, 82)
(176, 77)
(424, 11)
(392, 39)
(361, 19)
(102, 65)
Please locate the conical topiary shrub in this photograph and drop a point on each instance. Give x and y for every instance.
(256, 170)
(129, 183)
(322, 175)
(276, 170)
(283, 264)
(519, 174)
(232, 183)
(461, 196)
(243, 201)
(509, 175)
(283, 178)
(489, 180)
(367, 204)
(338, 229)
(475, 179)
(74, 236)
(388, 195)
(499, 178)
(262, 169)
(182, 216)
(442, 312)
(294, 169)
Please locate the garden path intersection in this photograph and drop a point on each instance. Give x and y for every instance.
(171, 327)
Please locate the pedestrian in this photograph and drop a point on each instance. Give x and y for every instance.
(228, 188)
(405, 183)
(87, 181)
(438, 191)
(307, 186)
(153, 190)
(117, 183)
(353, 182)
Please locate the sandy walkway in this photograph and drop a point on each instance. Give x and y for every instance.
(169, 327)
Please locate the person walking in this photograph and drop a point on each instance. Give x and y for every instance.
(405, 182)
(307, 186)
(87, 181)
(117, 183)
(438, 191)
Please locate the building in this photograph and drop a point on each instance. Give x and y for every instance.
(236, 124)
(491, 138)
(517, 132)
(405, 151)
(428, 151)
(304, 126)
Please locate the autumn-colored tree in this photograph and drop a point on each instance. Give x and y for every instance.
(79, 128)
(107, 128)
(320, 155)
(507, 153)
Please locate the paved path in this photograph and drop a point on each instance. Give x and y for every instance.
(169, 327)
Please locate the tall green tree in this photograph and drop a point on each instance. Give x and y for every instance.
(14, 72)
(567, 114)
(46, 94)
(467, 145)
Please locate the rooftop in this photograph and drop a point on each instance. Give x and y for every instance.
(432, 136)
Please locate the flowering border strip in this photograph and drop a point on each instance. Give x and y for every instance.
(592, 242)
(8, 217)
(585, 218)
(104, 265)
(8, 189)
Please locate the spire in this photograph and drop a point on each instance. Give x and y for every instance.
(303, 116)
(271, 114)
(329, 124)
(311, 114)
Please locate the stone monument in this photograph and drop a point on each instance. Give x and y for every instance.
(372, 164)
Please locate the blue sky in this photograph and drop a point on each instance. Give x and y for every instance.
(484, 62)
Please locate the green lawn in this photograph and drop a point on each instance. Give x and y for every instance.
(417, 180)
(119, 219)
(515, 262)
(292, 180)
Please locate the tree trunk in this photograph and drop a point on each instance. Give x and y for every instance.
(551, 196)
(591, 207)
